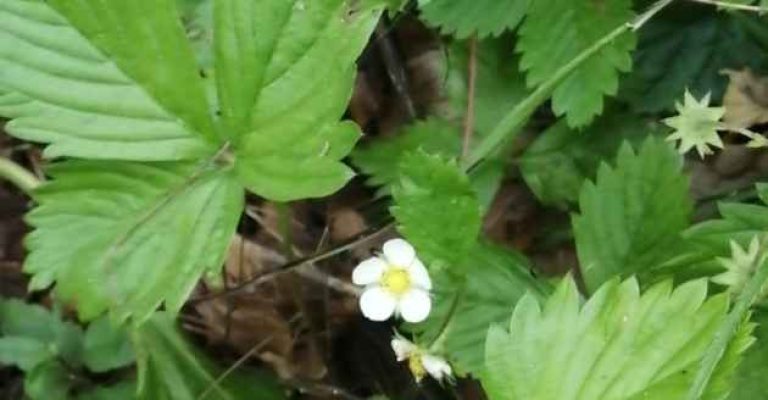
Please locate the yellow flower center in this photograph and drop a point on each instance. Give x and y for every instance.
(396, 280)
(416, 365)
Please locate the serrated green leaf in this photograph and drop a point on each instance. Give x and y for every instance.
(436, 208)
(170, 369)
(23, 352)
(106, 346)
(284, 73)
(381, 158)
(464, 18)
(496, 281)
(47, 381)
(121, 391)
(560, 160)
(688, 47)
(556, 31)
(128, 236)
(749, 383)
(102, 80)
(619, 345)
(632, 217)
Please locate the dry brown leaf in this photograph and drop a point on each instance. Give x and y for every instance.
(746, 99)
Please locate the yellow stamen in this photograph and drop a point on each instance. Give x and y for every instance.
(396, 280)
(416, 365)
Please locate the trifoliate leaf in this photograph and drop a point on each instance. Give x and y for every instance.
(102, 80)
(696, 125)
(688, 46)
(436, 209)
(496, 280)
(284, 73)
(169, 368)
(619, 345)
(464, 18)
(106, 346)
(561, 159)
(381, 158)
(127, 236)
(555, 32)
(632, 217)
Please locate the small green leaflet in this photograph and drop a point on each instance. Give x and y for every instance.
(687, 47)
(436, 208)
(555, 32)
(619, 345)
(128, 236)
(631, 218)
(169, 368)
(464, 18)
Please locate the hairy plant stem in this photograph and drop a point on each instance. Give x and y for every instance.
(732, 6)
(442, 333)
(730, 326)
(17, 175)
(513, 122)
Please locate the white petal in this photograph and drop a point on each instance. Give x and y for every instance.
(377, 304)
(398, 252)
(420, 275)
(415, 305)
(368, 271)
(402, 348)
(436, 367)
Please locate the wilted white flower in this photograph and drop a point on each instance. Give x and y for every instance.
(395, 283)
(420, 362)
(740, 267)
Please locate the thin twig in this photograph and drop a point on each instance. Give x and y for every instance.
(395, 69)
(732, 6)
(17, 175)
(469, 116)
(240, 361)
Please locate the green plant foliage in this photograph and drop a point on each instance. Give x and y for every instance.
(749, 383)
(110, 233)
(555, 32)
(436, 208)
(269, 56)
(106, 346)
(499, 84)
(687, 48)
(696, 125)
(619, 345)
(170, 369)
(561, 159)
(464, 18)
(381, 158)
(631, 218)
(497, 281)
(121, 391)
(74, 82)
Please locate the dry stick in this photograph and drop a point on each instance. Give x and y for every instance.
(732, 6)
(395, 70)
(469, 116)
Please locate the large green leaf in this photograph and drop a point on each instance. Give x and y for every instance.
(750, 382)
(556, 31)
(284, 73)
(560, 160)
(619, 345)
(463, 18)
(497, 279)
(436, 208)
(102, 79)
(171, 369)
(632, 217)
(128, 236)
(687, 48)
(106, 346)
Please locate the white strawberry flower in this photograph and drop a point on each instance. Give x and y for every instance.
(421, 362)
(395, 283)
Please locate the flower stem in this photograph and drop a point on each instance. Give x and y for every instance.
(437, 342)
(17, 175)
(732, 6)
(730, 326)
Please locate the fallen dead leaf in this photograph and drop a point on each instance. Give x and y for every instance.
(746, 99)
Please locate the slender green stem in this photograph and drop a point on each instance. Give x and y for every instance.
(17, 175)
(437, 342)
(514, 121)
(731, 324)
(732, 6)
